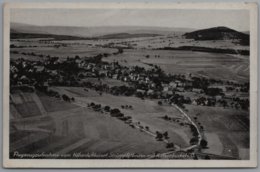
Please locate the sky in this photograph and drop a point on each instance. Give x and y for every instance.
(173, 18)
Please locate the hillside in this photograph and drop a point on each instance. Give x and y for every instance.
(45, 124)
(218, 33)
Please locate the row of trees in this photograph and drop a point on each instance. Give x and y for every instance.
(114, 112)
(160, 136)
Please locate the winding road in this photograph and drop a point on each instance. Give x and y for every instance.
(194, 124)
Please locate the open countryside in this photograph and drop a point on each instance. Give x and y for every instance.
(154, 95)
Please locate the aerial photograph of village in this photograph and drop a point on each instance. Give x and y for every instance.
(129, 84)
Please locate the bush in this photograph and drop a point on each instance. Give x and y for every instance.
(169, 145)
(166, 117)
(65, 98)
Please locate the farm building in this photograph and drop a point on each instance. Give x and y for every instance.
(103, 72)
(173, 85)
(24, 79)
(140, 91)
(39, 68)
(150, 92)
(218, 97)
(197, 90)
(165, 89)
(180, 89)
(115, 76)
(222, 87)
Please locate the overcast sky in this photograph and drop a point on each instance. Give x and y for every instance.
(197, 19)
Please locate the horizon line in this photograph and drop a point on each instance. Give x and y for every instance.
(127, 26)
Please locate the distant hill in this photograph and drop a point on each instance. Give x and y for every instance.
(19, 35)
(126, 35)
(94, 31)
(218, 33)
(207, 49)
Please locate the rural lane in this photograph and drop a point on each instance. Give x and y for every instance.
(193, 123)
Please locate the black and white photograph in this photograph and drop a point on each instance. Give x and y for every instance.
(137, 83)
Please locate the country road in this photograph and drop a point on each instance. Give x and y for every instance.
(193, 123)
(199, 134)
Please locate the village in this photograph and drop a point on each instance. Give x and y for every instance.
(152, 83)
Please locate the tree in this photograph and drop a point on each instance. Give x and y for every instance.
(159, 103)
(193, 141)
(65, 98)
(207, 157)
(120, 51)
(213, 91)
(107, 108)
(159, 136)
(225, 104)
(195, 157)
(203, 143)
(194, 131)
(114, 112)
(120, 115)
(166, 117)
(170, 145)
(165, 134)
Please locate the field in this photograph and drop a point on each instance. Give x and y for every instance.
(26, 105)
(147, 112)
(63, 52)
(175, 39)
(227, 130)
(78, 129)
(210, 65)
